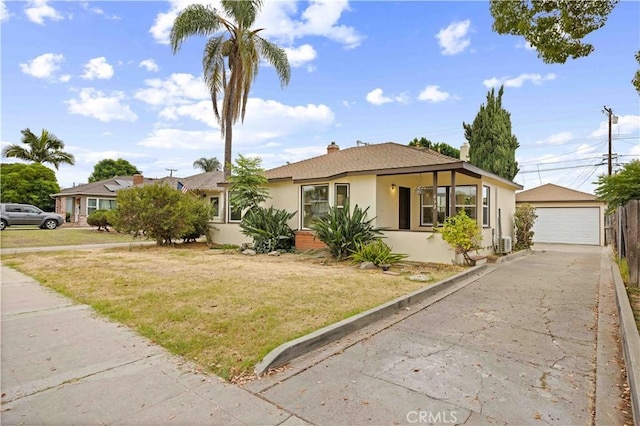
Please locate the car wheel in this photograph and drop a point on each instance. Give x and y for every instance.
(50, 224)
(3, 224)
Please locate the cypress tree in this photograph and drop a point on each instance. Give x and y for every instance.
(492, 146)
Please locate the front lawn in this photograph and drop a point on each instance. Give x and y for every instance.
(220, 309)
(18, 236)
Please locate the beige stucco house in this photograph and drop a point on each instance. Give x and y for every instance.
(565, 215)
(408, 190)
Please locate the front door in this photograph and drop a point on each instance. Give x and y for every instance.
(404, 209)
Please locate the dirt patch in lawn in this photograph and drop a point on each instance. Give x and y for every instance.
(218, 308)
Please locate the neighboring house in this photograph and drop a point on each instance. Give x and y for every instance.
(81, 200)
(565, 215)
(78, 202)
(406, 189)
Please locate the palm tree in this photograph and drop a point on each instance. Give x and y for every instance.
(230, 60)
(44, 149)
(207, 164)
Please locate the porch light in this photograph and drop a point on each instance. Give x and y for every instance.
(393, 186)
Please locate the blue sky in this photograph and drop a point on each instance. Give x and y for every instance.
(101, 76)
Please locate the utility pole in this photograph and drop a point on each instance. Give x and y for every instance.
(609, 112)
(175, 170)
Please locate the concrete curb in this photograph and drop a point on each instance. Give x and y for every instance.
(630, 341)
(305, 344)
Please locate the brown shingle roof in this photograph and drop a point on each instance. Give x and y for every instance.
(204, 181)
(370, 158)
(107, 187)
(552, 193)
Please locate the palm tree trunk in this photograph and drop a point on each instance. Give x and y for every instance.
(228, 130)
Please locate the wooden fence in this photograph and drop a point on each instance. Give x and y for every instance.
(622, 230)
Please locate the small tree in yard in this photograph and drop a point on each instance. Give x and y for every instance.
(616, 190)
(342, 231)
(160, 212)
(248, 183)
(99, 218)
(524, 219)
(462, 233)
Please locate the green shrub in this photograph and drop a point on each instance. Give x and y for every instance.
(376, 252)
(524, 219)
(159, 212)
(269, 229)
(462, 233)
(99, 218)
(200, 214)
(341, 230)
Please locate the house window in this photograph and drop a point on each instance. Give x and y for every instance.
(485, 206)
(342, 195)
(94, 204)
(215, 206)
(315, 203)
(465, 199)
(234, 214)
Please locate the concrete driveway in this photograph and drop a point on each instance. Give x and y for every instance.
(517, 346)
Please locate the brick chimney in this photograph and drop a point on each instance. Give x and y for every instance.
(332, 147)
(138, 179)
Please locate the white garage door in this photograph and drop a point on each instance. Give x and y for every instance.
(578, 225)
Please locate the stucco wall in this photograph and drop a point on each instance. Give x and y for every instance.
(227, 233)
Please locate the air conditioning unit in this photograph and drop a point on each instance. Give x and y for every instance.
(505, 245)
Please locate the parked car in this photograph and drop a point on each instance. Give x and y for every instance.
(12, 214)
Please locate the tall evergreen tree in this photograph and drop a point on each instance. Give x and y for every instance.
(492, 146)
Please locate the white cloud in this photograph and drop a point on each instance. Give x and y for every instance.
(377, 97)
(43, 66)
(98, 68)
(433, 94)
(453, 39)
(149, 65)
(536, 79)
(301, 55)
(86, 6)
(65, 78)
(180, 89)
(627, 124)
(94, 103)
(4, 12)
(281, 21)
(38, 10)
(185, 139)
(90, 156)
(556, 139)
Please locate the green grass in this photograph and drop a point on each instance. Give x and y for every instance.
(222, 310)
(16, 237)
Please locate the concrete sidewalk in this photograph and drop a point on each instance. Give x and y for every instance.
(63, 365)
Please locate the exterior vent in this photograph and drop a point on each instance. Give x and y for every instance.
(505, 245)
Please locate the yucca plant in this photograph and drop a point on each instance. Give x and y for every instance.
(269, 229)
(376, 252)
(341, 230)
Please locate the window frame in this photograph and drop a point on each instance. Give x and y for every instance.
(443, 210)
(307, 207)
(341, 185)
(216, 212)
(97, 204)
(486, 207)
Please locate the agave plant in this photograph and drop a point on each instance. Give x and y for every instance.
(269, 229)
(342, 230)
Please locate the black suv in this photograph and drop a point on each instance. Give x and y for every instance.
(26, 214)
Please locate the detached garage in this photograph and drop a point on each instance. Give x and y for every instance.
(564, 215)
